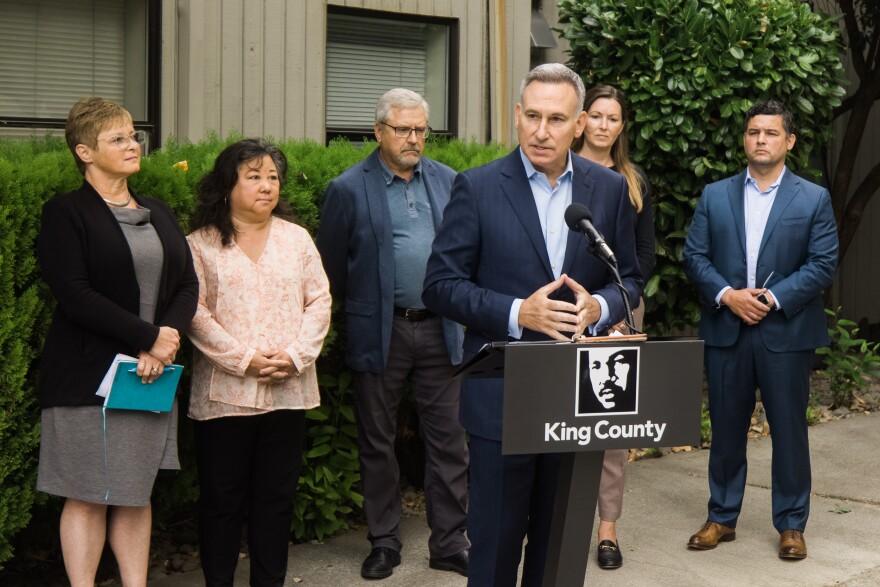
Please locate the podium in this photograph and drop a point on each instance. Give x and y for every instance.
(580, 399)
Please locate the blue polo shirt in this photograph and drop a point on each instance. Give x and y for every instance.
(412, 222)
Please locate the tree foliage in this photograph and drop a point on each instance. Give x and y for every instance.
(691, 69)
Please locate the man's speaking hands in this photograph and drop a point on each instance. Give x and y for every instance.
(744, 303)
(555, 317)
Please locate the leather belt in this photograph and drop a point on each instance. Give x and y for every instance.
(413, 314)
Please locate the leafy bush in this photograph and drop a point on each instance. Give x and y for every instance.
(25, 308)
(33, 171)
(329, 483)
(850, 362)
(691, 69)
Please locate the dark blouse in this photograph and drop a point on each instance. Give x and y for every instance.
(86, 260)
(644, 226)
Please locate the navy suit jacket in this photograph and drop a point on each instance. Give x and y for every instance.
(799, 247)
(356, 243)
(490, 250)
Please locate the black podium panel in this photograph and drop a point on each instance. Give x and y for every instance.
(582, 399)
(570, 397)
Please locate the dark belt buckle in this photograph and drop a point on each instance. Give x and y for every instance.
(414, 315)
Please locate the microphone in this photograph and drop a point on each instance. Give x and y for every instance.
(579, 219)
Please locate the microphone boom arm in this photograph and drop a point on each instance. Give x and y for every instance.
(630, 321)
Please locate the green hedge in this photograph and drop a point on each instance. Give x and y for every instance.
(691, 69)
(31, 172)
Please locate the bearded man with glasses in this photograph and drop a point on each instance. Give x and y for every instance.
(377, 224)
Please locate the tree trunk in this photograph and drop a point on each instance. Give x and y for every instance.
(849, 150)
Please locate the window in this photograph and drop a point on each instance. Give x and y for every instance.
(369, 55)
(54, 52)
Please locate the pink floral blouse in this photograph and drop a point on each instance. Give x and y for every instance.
(280, 302)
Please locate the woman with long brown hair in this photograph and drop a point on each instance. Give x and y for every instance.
(604, 141)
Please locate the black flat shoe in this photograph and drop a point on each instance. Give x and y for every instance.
(609, 555)
(457, 562)
(380, 563)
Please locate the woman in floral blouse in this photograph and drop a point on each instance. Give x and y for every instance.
(263, 312)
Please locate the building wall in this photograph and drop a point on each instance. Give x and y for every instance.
(257, 66)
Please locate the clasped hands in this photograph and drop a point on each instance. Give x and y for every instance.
(152, 363)
(745, 304)
(555, 318)
(270, 366)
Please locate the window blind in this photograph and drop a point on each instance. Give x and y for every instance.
(53, 52)
(366, 57)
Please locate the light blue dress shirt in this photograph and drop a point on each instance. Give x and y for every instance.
(757, 205)
(551, 203)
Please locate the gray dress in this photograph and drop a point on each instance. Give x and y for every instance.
(112, 456)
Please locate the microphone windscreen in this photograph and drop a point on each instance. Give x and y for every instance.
(575, 213)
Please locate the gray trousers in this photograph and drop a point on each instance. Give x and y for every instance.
(418, 355)
(614, 464)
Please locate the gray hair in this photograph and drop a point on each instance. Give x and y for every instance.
(398, 98)
(555, 73)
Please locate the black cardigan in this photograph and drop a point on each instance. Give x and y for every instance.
(87, 263)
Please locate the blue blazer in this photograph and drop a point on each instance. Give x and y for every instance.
(490, 250)
(357, 248)
(799, 246)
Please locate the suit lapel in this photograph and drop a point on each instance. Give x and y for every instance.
(784, 195)
(582, 189)
(515, 186)
(436, 196)
(736, 192)
(374, 190)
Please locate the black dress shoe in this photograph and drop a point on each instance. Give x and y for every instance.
(457, 562)
(380, 563)
(609, 555)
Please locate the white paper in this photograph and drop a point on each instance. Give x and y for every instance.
(107, 382)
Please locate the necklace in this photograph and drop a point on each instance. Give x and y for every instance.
(118, 204)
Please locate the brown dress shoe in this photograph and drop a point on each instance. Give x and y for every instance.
(792, 545)
(710, 535)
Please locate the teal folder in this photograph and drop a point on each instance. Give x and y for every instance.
(129, 393)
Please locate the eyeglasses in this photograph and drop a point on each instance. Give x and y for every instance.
(121, 142)
(403, 132)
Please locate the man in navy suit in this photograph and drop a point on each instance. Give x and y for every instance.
(505, 265)
(377, 224)
(761, 248)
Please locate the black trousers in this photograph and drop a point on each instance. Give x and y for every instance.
(248, 463)
(418, 355)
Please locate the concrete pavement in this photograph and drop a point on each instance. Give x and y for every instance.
(665, 503)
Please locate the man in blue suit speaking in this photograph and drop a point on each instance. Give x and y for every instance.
(505, 265)
(377, 224)
(761, 248)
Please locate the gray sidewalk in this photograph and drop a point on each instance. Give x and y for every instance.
(665, 503)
